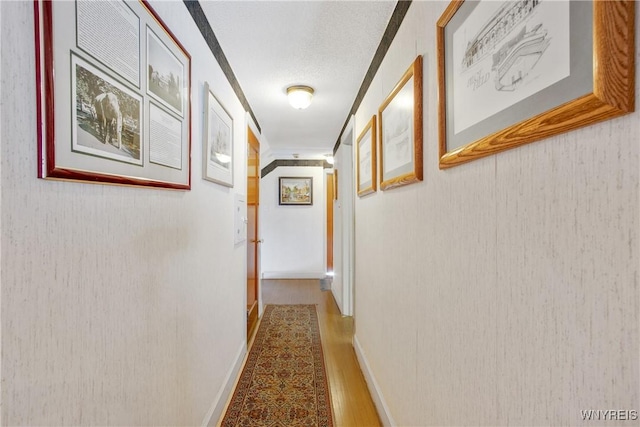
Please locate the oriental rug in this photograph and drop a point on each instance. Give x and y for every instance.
(283, 382)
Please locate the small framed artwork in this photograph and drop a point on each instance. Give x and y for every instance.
(296, 190)
(217, 146)
(510, 73)
(366, 159)
(400, 131)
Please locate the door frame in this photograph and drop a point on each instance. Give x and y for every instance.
(347, 194)
(252, 128)
(329, 227)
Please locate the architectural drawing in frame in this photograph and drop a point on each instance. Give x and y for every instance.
(400, 131)
(509, 51)
(512, 72)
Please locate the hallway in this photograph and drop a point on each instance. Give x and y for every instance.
(502, 291)
(350, 398)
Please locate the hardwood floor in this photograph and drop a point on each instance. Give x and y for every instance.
(350, 398)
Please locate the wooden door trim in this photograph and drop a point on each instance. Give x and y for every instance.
(252, 307)
(330, 190)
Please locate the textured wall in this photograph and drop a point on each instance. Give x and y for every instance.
(120, 306)
(343, 227)
(294, 236)
(504, 291)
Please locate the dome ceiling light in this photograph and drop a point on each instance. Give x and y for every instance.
(300, 96)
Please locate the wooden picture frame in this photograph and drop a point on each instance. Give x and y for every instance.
(400, 131)
(295, 191)
(533, 78)
(366, 159)
(99, 119)
(217, 145)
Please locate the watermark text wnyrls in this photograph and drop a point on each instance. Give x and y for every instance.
(609, 415)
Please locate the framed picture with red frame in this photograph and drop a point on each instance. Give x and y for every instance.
(118, 110)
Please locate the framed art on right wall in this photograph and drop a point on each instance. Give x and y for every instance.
(366, 159)
(514, 72)
(400, 131)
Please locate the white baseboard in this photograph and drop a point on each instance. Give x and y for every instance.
(338, 299)
(215, 412)
(376, 394)
(294, 275)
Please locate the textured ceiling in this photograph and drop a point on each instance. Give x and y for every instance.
(271, 45)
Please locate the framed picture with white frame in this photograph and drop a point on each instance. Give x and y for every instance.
(217, 145)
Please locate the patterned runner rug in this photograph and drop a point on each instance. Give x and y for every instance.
(283, 382)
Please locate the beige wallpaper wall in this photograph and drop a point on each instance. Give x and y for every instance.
(120, 306)
(504, 291)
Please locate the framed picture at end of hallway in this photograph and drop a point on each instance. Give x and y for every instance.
(366, 165)
(296, 191)
(400, 131)
(514, 72)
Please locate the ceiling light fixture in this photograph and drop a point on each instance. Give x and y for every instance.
(329, 158)
(299, 96)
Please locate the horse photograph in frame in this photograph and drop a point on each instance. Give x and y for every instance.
(107, 122)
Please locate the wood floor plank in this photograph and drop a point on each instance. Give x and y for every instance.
(351, 401)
